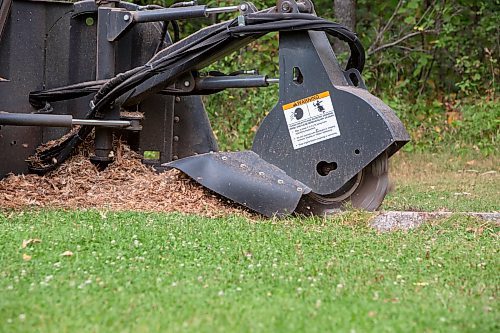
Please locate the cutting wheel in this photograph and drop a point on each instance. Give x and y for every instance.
(365, 191)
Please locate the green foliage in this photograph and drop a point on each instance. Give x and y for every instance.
(435, 48)
(478, 128)
(236, 113)
(457, 125)
(442, 79)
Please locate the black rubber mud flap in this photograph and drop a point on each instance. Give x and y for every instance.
(246, 179)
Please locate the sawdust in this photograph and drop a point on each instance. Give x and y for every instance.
(126, 185)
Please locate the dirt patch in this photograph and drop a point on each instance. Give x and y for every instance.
(126, 185)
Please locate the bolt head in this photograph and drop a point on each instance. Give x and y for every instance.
(243, 7)
(126, 17)
(187, 83)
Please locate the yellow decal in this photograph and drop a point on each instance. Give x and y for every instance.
(306, 100)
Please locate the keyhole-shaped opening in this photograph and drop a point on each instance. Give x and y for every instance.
(297, 76)
(324, 168)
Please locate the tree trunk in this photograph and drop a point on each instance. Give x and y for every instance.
(345, 13)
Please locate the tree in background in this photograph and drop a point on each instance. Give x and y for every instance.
(433, 47)
(345, 13)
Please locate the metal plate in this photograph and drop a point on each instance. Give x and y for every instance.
(246, 179)
(367, 126)
(365, 191)
(192, 131)
(23, 62)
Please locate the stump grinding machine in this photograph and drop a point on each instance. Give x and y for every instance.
(112, 68)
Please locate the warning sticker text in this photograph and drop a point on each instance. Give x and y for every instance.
(311, 120)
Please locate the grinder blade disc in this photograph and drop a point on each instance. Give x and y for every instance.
(364, 191)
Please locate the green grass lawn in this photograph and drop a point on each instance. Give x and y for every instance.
(444, 182)
(133, 272)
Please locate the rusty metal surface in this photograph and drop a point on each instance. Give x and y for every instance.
(246, 179)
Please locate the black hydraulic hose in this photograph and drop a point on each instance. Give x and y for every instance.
(164, 31)
(177, 31)
(39, 99)
(263, 23)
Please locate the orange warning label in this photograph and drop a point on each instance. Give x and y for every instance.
(306, 100)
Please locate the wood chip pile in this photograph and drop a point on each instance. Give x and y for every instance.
(126, 185)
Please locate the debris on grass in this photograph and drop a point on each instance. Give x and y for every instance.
(28, 242)
(126, 185)
(67, 254)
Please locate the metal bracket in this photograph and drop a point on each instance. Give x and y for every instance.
(186, 83)
(292, 6)
(84, 8)
(248, 8)
(354, 78)
(119, 21)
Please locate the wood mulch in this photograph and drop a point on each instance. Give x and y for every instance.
(126, 185)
